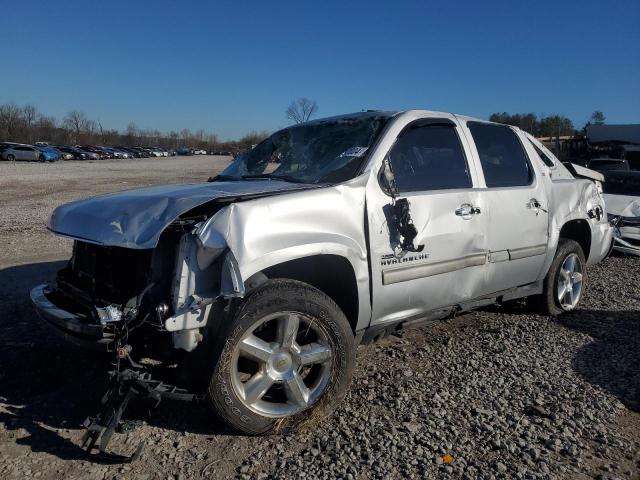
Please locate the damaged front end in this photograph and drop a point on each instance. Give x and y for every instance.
(152, 302)
(626, 234)
(622, 199)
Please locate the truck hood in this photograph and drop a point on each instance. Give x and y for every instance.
(623, 205)
(136, 218)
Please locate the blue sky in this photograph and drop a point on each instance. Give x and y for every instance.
(231, 67)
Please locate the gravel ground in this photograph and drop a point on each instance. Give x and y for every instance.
(498, 393)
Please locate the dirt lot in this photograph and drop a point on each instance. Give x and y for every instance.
(505, 393)
(30, 191)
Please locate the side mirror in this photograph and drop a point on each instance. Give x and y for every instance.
(387, 179)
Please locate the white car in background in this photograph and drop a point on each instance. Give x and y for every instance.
(622, 197)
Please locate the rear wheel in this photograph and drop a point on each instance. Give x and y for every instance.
(285, 361)
(11, 157)
(41, 158)
(564, 284)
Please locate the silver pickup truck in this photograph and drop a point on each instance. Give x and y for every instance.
(327, 234)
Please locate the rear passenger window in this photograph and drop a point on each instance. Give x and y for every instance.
(429, 158)
(502, 156)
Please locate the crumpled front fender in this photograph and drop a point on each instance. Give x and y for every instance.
(266, 232)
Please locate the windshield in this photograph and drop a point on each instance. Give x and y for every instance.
(323, 151)
(608, 164)
(622, 183)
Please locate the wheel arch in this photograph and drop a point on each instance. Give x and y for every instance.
(330, 273)
(579, 231)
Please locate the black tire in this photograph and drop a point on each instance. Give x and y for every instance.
(547, 303)
(11, 157)
(41, 158)
(272, 297)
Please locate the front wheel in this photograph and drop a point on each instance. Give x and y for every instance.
(564, 284)
(286, 360)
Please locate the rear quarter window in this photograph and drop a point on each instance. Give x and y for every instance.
(543, 156)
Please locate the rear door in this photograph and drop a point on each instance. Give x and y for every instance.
(516, 200)
(25, 153)
(430, 160)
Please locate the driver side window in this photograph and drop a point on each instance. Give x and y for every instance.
(429, 158)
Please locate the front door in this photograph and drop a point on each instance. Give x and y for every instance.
(516, 207)
(430, 161)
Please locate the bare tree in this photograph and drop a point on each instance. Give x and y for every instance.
(10, 118)
(23, 123)
(29, 115)
(45, 128)
(101, 130)
(76, 122)
(173, 136)
(301, 110)
(185, 135)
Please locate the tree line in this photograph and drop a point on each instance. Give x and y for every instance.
(547, 126)
(25, 124)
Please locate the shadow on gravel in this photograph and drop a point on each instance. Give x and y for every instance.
(47, 385)
(611, 360)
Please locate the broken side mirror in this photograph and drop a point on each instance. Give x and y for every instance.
(386, 178)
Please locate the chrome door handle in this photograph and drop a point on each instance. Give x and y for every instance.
(466, 210)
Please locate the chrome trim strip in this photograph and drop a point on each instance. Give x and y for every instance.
(499, 256)
(524, 252)
(413, 272)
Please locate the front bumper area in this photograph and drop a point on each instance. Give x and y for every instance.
(75, 328)
(626, 238)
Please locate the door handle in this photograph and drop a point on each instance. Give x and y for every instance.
(466, 210)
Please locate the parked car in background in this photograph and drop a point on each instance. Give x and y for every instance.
(622, 197)
(184, 151)
(200, 152)
(133, 153)
(24, 152)
(606, 164)
(65, 155)
(154, 152)
(51, 154)
(117, 152)
(107, 152)
(139, 152)
(266, 280)
(75, 153)
(91, 153)
(5, 145)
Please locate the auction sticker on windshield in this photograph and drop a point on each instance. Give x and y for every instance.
(354, 152)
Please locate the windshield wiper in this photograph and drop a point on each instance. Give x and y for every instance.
(224, 177)
(272, 176)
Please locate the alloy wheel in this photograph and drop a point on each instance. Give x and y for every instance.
(569, 285)
(281, 365)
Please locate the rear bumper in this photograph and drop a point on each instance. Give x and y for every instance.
(74, 328)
